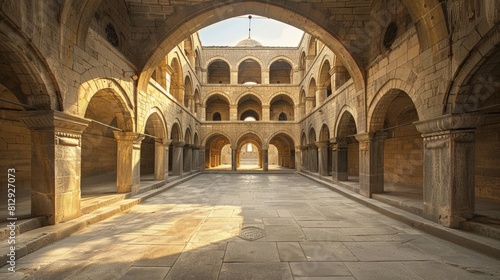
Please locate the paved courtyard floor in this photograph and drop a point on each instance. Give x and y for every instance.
(247, 226)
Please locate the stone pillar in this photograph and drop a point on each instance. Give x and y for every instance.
(292, 159)
(177, 159)
(304, 158)
(201, 158)
(298, 158)
(187, 153)
(323, 157)
(128, 172)
(195, 165)
(266, 113)
(339, 76)
(233, 159)
(371, 162)
(312, 154)
(265, 160)
(167, 151)
(234, 77)
(320, 94)
(55, 164)
(202, 114)
(233, 112)
(310, 104)
(265, 77)
(161, 157)
(339, 159)
(208, 158)
(449, 190)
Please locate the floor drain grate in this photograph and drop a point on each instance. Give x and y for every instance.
(251, 233)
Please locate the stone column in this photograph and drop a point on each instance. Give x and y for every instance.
(304, 165)
(449, 190)
(339, 76)
(339, 159)
(309, 104)
(371, 162)
(234, 77)
(201, 158)
(177, 159)
(167, 145)
(195, 159)
(128, 172)
(265, 77)
(233, 112)
(161, 152)
(208, 158)
(312, 154)
(265, 160)
(187, 154)
(233, 159)
(323, 157)
(320, 94)
(55, 164)
(298, 158)
(266, 113)
(292, 159)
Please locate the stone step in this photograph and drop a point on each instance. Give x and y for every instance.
(29, 241)
(484, 226)
(21, 226)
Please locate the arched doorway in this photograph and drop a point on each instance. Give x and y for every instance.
(312, 151)
(217, 108)
(324, 152)
(402, 145)
(153, 149)
(250, 153)
(285, 150)
(346, 150)
(281, 108)
(99, 143)
(249, 106)
(218, 152)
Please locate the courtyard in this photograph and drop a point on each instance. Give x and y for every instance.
(252, 226)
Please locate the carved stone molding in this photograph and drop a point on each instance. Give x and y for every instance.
(448, 122)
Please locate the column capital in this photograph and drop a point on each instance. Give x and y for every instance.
(371, 136)
(322, 144)
(339, 140)
(128, 136)
(44, 120)
(447, 123)
(179, 144)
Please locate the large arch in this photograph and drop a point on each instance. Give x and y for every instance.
(99, 147)
(280, 72)
(26, 73)
(275, 10)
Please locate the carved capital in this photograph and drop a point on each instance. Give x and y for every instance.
(448, 122)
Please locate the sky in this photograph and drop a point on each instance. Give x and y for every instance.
(268, 32)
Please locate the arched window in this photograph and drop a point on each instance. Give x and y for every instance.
(282, 117)
(217, 117)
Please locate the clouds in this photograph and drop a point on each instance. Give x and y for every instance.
(267, 31)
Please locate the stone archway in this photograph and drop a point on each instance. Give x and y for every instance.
(153, 148)
(106, 135)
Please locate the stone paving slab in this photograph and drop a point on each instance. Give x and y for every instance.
(196, 230)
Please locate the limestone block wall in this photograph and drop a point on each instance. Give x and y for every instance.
(99, 153)
(15, 148)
